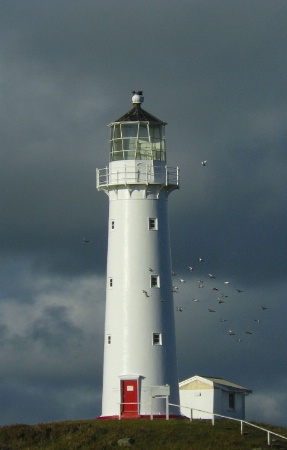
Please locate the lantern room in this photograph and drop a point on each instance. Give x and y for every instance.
(137, 135)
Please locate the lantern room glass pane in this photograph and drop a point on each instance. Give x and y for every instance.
(133, 141)
(129, 130)
(143, 131)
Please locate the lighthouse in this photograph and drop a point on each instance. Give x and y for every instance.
(140, 365)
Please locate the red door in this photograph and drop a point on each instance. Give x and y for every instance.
(130, 397)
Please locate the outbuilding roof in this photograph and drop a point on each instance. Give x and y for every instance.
(218, 383)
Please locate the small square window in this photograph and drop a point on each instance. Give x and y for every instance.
(154, 281)
(110, 282)
(152, 223)
(112, 224)
(156, 339)
(109, 339)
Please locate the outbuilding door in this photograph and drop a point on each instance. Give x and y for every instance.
(130, 398)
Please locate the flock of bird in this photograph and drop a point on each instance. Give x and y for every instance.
(216, 292)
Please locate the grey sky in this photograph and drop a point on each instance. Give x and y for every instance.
(216, 72)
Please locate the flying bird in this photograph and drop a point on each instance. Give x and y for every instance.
(179, 308)
(264, 307)
(86, 240)
(223, 320)
(173, 274)
(200, 259)
(145, 293)
(182, 280)
(239, 291)
(211, 310)
(231, 333)
(248, 332)
(226, 282)
(195, 299)
(150, 269)
(204, 162)
(190, 268)
(211, 276)
(215, 289)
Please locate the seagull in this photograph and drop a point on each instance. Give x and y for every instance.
(201, 285)
(200, 281)
(226, 282)
(150, 269)
(173, 274)
(86, 240)
(204, 162)
(195, 299)
(257, 320)
(220, 301)
(215, 289)
(264, 307)
(211, 276)
(231, 333)
(239, 291)
(190, 268)
(248, 332)
(211, 310)
(145, 293)
(182, 280)
(174, 289)
(200, 259)
(223, 320)
(179, 308)
(239, 340)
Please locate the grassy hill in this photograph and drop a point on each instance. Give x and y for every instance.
(143, 434)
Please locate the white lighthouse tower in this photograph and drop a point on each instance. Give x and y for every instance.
(140, 348)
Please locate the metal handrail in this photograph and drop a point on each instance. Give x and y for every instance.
(168, 176)
(242, 422)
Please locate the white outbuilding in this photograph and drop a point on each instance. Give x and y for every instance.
(201, 397)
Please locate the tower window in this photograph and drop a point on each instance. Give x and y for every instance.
(110, 282)
(154, 280)
(152, 223)
(112, 224)
(109, 339)
(156, 339)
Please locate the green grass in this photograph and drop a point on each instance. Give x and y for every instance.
(147, 435)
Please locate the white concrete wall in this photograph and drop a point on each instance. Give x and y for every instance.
(210, 400)
(197, 400)
(132, 318)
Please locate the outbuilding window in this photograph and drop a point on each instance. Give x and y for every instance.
(231, 400)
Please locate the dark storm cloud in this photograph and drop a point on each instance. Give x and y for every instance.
(216, 72)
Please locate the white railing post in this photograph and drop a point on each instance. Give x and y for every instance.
(268, 438)
(167, 407)
(191, 414)
(241, 426)
(213, 420)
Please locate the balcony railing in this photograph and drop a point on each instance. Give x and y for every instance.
(144, 174)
